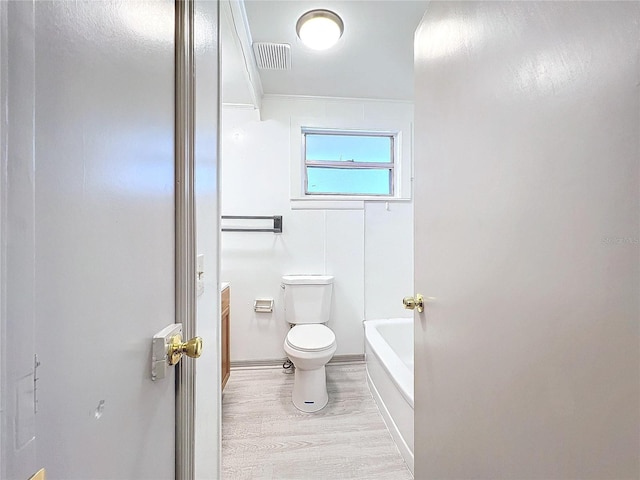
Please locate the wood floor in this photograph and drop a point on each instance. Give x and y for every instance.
(265, 437)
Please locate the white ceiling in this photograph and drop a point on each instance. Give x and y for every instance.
(373, 59)
(236, 86)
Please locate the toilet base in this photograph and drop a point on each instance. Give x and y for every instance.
(310, 389)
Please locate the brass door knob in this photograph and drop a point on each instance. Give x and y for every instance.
(192, 348)
(411, 303)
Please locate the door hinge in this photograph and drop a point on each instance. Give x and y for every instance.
(36, 364)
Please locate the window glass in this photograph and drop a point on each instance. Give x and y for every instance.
(349, 148)
(349, 163)
(347, 181)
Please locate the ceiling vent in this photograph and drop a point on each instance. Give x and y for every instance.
(273, 56)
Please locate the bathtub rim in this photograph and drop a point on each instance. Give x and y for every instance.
(388, 358)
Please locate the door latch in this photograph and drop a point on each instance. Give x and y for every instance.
(411, 303)
(192, 348)
(168, 348)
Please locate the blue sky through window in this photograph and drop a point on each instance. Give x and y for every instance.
(325, 150)
(348, 181)
(358, 148)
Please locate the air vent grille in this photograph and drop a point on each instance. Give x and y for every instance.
(273, 56)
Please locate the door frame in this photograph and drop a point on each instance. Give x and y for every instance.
(185, 232)
(3, 189)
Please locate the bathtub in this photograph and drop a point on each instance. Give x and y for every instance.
(389, 358)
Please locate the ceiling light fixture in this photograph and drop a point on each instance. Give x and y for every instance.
(319, 29)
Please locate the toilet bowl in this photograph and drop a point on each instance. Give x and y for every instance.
(310, 344)
(310, 347)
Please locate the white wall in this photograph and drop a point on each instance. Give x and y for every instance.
(367, 248)
(388, 258)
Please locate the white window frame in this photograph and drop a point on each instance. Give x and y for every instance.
(350, 165)
(402, 156)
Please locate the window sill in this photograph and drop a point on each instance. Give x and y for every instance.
(336, 202)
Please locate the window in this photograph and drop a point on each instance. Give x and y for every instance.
(349, 162)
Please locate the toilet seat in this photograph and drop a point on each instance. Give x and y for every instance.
(311, 338)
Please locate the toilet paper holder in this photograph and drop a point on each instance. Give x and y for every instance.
(263, 305)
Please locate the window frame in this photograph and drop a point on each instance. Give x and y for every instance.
(355, 165)
(372, 117)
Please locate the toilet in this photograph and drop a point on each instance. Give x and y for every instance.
(310, 344)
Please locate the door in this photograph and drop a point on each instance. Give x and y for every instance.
(17, 244)
(527, 235)
(90, 239)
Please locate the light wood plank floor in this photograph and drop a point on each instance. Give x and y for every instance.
(265, 437)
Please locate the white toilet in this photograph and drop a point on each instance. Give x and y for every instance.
(310, 344)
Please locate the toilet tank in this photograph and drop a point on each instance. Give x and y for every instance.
(307, 298)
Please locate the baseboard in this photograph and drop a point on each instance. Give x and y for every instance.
(256, 364)
(347, 359)
(277, 362)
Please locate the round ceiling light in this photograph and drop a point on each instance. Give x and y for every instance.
(319, 29)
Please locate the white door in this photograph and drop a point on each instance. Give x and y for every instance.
(89, 226)
(527, 227)
(17, 243)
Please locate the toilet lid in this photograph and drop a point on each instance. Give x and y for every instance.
(311, 338)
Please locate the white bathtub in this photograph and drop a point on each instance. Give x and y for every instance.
(389, 357)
